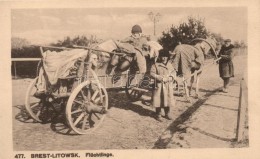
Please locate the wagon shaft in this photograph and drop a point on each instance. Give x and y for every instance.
(140, 89)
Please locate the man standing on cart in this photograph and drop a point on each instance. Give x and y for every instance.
(164, 74)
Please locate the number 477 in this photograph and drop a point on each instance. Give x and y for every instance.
(19, 156)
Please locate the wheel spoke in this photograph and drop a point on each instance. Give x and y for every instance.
(82, 93)
(69, 130)
(99, 98)
(78, 102)
(84, 122)
(89, 94)
(132, 92)
(76, 111)
(97, 116)
(94, 95)
(38, 113)
(78, 119)
(34, 105)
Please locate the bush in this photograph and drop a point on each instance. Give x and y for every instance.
(77, 40)
(184, 33)
(21, 48)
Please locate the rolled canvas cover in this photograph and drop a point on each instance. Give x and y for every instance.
(58, 64)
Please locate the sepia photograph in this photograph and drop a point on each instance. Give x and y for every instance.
(128, 78)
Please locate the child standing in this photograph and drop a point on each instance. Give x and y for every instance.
(164, 74)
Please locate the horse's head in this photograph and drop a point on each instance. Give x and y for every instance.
(206, 45)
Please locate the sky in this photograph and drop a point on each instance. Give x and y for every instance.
(43, 26)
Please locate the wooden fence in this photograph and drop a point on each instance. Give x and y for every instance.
(15, 60)
(242, 120)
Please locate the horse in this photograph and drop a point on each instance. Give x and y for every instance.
(188, 62)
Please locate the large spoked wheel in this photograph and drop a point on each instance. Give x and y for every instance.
(86, 107)
(33, 105)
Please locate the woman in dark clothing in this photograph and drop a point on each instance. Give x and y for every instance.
(226, 68)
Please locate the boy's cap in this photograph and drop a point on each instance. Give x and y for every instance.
(136, 29)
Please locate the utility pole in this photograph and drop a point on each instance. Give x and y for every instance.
(155, 19)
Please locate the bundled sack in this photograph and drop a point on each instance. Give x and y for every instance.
(59, 64)
(111, 45)
(154, 48)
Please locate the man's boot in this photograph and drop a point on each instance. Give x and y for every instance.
(158, 116)
(167, 113)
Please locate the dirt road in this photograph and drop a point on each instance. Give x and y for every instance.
(208, 122)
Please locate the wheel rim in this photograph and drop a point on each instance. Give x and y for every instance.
(78, 113)
(39, 109)
(33, 105)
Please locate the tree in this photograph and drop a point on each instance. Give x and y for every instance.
(243, 44)
(184, 33)
(77, 40)
(236, 44)
(21, 48)
(19, 43)
(218, 37)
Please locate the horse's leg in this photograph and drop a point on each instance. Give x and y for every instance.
(191, 83)
(197, 86)
(187, 94)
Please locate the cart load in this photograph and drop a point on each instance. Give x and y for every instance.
(61, 64)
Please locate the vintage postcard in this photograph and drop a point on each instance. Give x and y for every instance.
(129, 79)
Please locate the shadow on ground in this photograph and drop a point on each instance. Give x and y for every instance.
(22, 115)
(56, 119)
(174, 127)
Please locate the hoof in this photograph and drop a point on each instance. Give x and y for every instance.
(147, 103)
(181, 94)
(188, 99)
(197, 96)
(190, 92)
(168, 117)
(224, 90)
(159, 118)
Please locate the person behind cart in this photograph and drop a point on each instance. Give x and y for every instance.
(163, 74)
